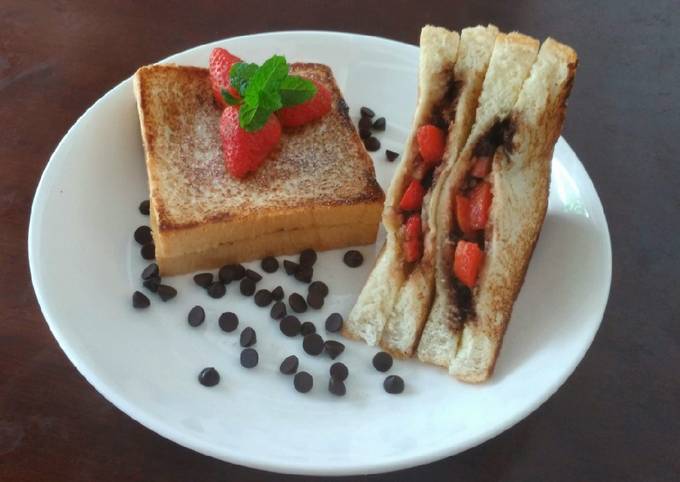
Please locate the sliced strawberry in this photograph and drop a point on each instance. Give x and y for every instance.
(467, 261)
(480, 203)
(431, 143)
(315, 108)
(412, 199)
(220, 64)
(412, 241)
(481, 167)
(412, 250)
(463, 214)
(414, 227)
(245, 151)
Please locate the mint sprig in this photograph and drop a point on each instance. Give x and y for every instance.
(264, 90)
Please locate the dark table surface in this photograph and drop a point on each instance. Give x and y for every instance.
(616, 418)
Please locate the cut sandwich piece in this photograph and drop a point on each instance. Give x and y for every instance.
(318, 190)
(504, 170)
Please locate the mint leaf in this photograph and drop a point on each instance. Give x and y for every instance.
(230, 99)
(269, 76)
(295, 90)
(257, 108)
(240, 74)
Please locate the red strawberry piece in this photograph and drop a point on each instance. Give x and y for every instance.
(315, 108)
(245, 151)
(220, 64)
(412, 199)
(431, 143)
(412, 242)
(414, 227)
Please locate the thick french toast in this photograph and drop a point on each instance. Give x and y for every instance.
(318, 190)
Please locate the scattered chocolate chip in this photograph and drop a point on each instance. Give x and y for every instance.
(336, 387)
(248, 337)
(318, 287)
(253, 275)
(263, 298)
(334, 322)
(278, 310)
(382, 361)
(152, 283)
(277, 293)
(303, 382)
(372, 144)
(353, 258)
(166, 292)
(204, 280)
(150, 271)
(209, 377)
(290, 325)
(308, 257)
(196, 316)
(290, 266)
(231, 272)
(393, 384)
(339, 371)
(247, 287)
(143, 235)
(144, 207)
(333, 348)
(289, 365)
(313, 344)
(391, 155)
(297, 303)
(379, 124)
(315, 300)
(249, 358)
(217, 290)
(269, 264)
(367, 112)
(228, 321)
(304, 274)
(365, 123)
(307, 328)
(148, 251)
(140, 300)
(364, 133)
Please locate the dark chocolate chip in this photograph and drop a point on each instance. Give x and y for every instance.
(204, 280)
(148, 251)
(217, 290)
(263, 298)
(315, 300)
(365, 123)
(253, 275)
(278, 310)
(249, 358)
(144, 207)
(143, 235)
(334, 322)
(166, 292)
(339, 371)
(367, 112)
(382, 361)
(333, 348)
(379, 124)
(304, 274)
(391, 155)
(231, 272)
(393, 384)
(290, 266)
(303, 382)
(196, 316)
(318, 287)
(313, 344)
(353, 258)
(289, 365)
(248, 337)
(228, 321)
(150, 271)
(140, 300)
(308, 257)
(290, 325)
(247, 287)
(307, 328)
(297, 303)
(152, 284)
(277, 293)
(336, 387)
(269, 264)
(209, 377)
(372, 144)
(365, 133)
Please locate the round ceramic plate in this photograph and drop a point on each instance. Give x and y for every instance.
(85, 266)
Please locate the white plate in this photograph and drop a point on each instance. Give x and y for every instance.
(85, 267)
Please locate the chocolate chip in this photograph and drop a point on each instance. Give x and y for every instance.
(152, 283)
(209, 377)
(247, 287)
(166, 292)
(339, 371)
(367, 112)
(318, 287)
(313, 344)
(297, 303)
(315, 300)
(365, 133)
(289, 365)
(379, 124)
(263, 298)
(290, 325)
(278, 310)
(144, 207)
(391, 155)
(228, 321)
(382, 361)
(303, 382)
(269, 264)
(304, 274)
(249, 358)
(248, 337)
(365, 123)
(143, 235)
(372, 144)
(204, 280)
(334, 322)
(231, 272)
(393, 384)
(307, 328)
(253, 275)
(150, 271)
(336, 387)
(196, 316)
(290, 266)
(353, 258)
(277, 293)
(217, 290)
(333, 348)
(148, 251)
(308, 257)
(140, 300)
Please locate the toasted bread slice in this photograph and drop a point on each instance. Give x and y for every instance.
(321, 179)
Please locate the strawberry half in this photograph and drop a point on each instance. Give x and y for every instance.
(245, 151)
(315, 108)
(220, 64)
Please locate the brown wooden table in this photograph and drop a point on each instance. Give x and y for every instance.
(616, 418)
